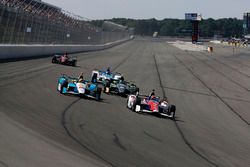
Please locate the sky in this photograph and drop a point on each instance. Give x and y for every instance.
(159, 9)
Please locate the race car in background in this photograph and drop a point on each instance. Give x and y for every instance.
(83, 88)
(151, 104)
(64, 59)
(120, 87)
(102, 75)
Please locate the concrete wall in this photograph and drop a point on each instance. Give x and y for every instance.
(24, 51)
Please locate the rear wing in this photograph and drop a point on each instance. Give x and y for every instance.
(73, 57)
(146, 96)
(141, 96)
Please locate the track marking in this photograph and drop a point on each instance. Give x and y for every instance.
(2, 164)
(221, 73)
(225, 64)
(152, 137)
(64, 124)
(205, 94)
(217, 95)
(118, 142)
(188, 91)
(178, 127)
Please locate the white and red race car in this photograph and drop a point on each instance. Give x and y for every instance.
(151, 104)
(64, 59)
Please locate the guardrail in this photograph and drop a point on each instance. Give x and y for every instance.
(24, 51)
(33, 29)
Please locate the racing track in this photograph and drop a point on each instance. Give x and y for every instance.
(40, 127)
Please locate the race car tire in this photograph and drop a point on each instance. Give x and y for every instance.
(127, 104)
(172, 109)
(53, 61)
(98, 97)
(133, 107)
(124, 95)
(61, 88)
(137, 90)
(137, 102)
(63, 85)
(105, 89)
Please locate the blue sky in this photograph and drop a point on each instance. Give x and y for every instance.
(159, 9)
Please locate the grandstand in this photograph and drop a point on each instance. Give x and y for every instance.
(33, 6)
(35, 21)
(110, 26)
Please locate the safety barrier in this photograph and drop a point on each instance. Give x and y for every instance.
(25, 51)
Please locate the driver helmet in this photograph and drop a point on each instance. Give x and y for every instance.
(153, 97)
(165, 99)
(66, 54)
(152, 93)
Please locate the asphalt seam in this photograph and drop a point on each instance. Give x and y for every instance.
(64, 122)
(205, 94)
(225, 64)
(234, 55)
(220, 98)
(32, 75)
(3, 164)
(178, 127)
(24, 72)
(188, 91)
(217, 71)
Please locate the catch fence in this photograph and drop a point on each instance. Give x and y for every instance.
(36, 22)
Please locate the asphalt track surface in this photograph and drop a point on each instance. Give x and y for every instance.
(41, 127)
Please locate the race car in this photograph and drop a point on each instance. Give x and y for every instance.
(102, 75)
(120, 87)
(142, 103)
(83, 88)
(64, 59)
(132, 88)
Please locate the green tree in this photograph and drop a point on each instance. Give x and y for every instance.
(226, 27)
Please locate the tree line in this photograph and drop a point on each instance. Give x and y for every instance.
(226, 27)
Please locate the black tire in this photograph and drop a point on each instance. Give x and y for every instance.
(64, 85)
(105, 88)
(124, 95)
(137, 102)
(116, 90)
(107, 82)
(133, 106)
(61, 89)
(53, 60)
(172, 109)
(127, 104)
(98, 96)
(74, 63)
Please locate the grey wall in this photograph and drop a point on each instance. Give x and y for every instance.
(23, 51)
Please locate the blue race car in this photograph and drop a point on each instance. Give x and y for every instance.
(83, 88)
(103, 76)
